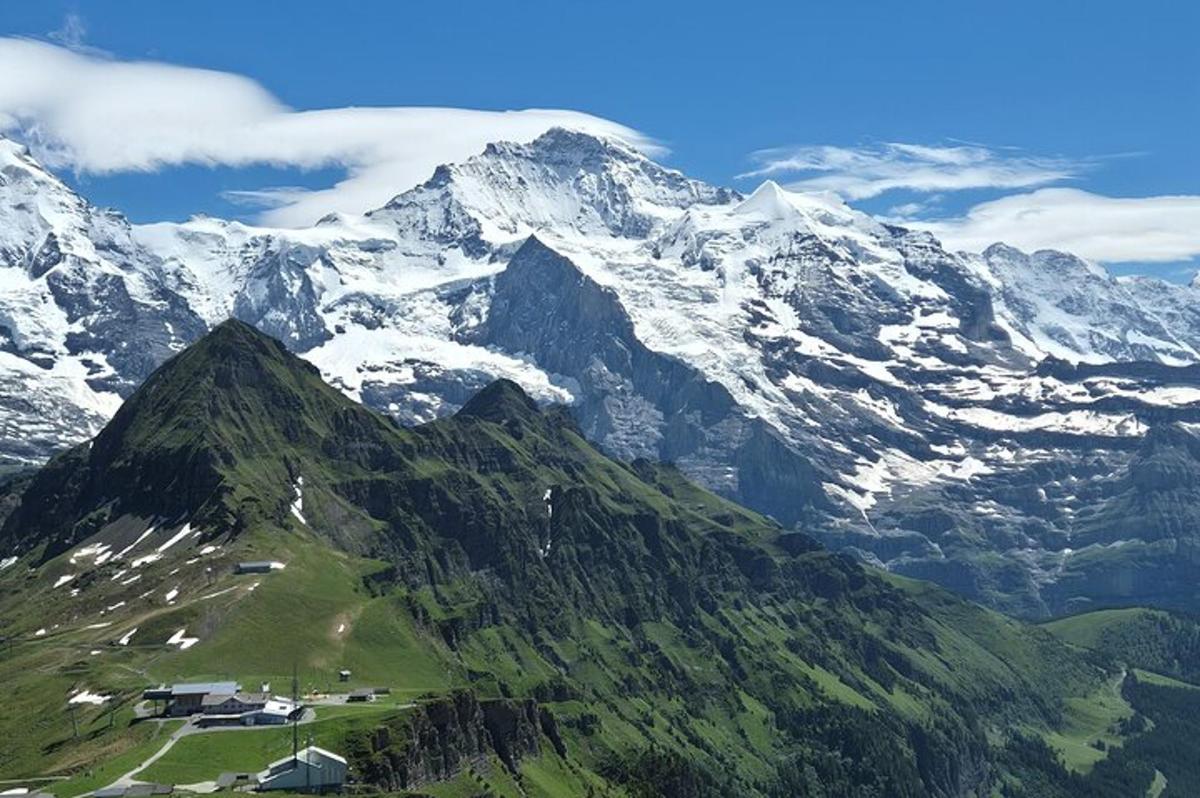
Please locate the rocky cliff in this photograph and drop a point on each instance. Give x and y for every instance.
(443, 737)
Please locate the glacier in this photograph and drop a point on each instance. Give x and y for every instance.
(922, 409)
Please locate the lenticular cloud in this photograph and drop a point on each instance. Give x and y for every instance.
(98, 115)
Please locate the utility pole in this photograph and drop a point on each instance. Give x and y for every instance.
(295, 716)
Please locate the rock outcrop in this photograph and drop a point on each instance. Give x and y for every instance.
(441, 738)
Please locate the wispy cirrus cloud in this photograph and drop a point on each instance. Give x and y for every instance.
(81, 110)
(857, 173)
(1033, 211)
(71, 34)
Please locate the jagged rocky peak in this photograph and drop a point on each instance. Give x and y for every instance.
(14, 155)
(17, 159)
(574, 153)
(84, 315)
(563, 180)
(37, 211)
(1060, 264)
(503, 401)
(44, 223)
(1065, 306)
(783, 348)
(567, 149)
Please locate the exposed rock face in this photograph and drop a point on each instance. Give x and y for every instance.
(848, 377)
(85, 315)
(279, 298)
(631, 400)
(441, 738)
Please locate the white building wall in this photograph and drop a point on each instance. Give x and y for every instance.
(328, 774)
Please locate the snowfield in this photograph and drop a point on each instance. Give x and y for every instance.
(868, 371)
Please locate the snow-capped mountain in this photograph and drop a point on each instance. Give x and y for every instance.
(927, 409)
(1060, 305)
(84, 315)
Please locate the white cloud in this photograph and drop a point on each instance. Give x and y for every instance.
(861, 173)
(98, 115)
(908, 210)
(273, 197)
(1099, 228)
(72, 32)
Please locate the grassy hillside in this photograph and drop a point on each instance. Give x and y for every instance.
(1154, 640)
(674, 643)
(1161, 693)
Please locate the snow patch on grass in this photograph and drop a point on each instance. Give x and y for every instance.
(98, 553)
(297, 507)
(146, 559)
(183, 532)
(180, 639)
(87, 697)
(149, 531)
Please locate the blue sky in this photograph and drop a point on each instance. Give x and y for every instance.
(1025, 111)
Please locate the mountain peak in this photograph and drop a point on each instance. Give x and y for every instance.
(236, 334)
(1050, 260)
(234, 374)
(15, 155)
(563, 180)
(210, 437)
(11, 150)
(503, 400)
(569, 144)
(768, 200)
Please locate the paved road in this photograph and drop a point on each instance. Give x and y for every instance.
(190, 727)
(186, 730)
(128, 780)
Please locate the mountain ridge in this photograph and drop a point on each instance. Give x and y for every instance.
(533, 566)
(883, 373)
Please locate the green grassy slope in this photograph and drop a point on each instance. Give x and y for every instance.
(685, 645)
(1154, 640)
(1157, 718)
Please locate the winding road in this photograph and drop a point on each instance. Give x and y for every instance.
(186, 730)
